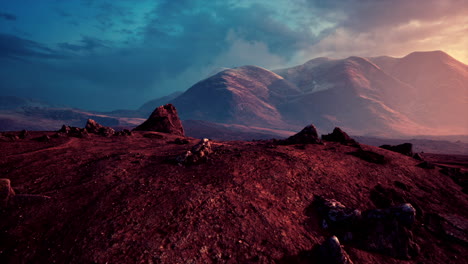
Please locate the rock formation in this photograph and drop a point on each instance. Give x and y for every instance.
(340, 136)
(96, 128)
(308, 135)
(163, 119)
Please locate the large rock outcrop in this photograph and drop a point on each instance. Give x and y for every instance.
(308, 135)
(340, 136)
(163, 119)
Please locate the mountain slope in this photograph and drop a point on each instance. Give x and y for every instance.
(422, 93)
(246, 95)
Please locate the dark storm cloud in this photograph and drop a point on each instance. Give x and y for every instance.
(8, 16)
(19, 48)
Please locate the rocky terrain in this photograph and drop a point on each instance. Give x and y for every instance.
(86, 195)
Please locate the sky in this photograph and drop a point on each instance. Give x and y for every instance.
(118, 54)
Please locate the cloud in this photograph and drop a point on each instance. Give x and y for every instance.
(134, 51)
(8, 16)
(14, 47)
(86, 44)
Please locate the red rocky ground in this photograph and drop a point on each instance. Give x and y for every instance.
(121, 199)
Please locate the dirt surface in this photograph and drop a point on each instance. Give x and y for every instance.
(124, 200)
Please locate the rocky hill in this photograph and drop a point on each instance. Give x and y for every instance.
(151, 197)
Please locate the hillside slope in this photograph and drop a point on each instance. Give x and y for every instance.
(122, 200)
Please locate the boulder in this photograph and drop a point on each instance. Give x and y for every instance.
(308, 135)
(163, 119)
(198, 154)
(405, 148)
(98, 129)
(340, 136)
(6, 193)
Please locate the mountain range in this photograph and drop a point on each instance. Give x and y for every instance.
(423, 93)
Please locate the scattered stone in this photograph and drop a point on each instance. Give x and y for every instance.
(198, 154)
(369, 156)
(124, 132)
(332, 252)
(340, 136)
(405, 148)
(98, 129)
(308, 135)
(163, 119)
(6, 193)
(73, 131)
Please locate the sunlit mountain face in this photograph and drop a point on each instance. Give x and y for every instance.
(107, 55)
